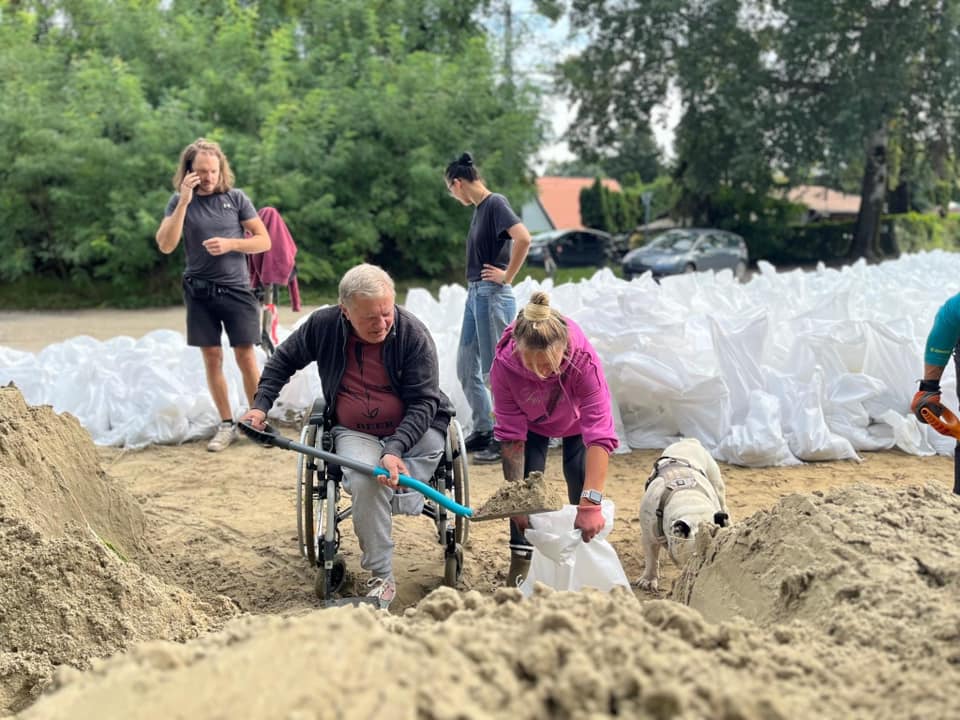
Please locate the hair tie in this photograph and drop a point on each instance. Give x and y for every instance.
(535, 312)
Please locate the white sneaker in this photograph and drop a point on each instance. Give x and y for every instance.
(383, 589)
(226, 434)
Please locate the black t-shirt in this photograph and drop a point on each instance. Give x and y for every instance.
(216, 215)
(488, 242)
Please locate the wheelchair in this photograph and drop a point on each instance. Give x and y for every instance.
(320, 508)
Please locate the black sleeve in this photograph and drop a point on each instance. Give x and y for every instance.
(419, 389)
(504, 217)
(295, 353)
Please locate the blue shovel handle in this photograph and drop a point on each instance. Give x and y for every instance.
(271, 437)
(430, 492)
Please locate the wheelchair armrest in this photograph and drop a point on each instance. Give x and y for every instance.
(316, 415)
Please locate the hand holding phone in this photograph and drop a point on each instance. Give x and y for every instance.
(189, 183)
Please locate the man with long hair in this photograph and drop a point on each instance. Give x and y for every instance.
(219, 226)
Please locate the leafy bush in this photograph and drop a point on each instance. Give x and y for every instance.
(914, 231)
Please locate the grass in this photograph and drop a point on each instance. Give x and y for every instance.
(44, 293)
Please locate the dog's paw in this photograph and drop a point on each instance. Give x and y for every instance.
(652, 585)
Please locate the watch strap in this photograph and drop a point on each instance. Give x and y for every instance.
(594, 496)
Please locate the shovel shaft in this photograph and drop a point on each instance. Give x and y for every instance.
(373, 471)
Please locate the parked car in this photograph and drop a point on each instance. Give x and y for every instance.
(572, 248)
(684, 250)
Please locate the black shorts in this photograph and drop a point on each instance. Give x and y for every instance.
(213, 308)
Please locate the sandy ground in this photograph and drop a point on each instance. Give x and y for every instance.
(224, 526)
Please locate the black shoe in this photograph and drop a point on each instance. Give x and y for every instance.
(478, 440)
(489, 455)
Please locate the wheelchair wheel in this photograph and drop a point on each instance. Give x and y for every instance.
(306, 476)
(453, 568)
(457, 454)
(338, 573)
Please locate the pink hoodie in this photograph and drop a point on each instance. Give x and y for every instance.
(575, 402)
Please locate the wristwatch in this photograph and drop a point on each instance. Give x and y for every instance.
(594, 496)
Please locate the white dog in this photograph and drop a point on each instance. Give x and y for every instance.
(684, 490)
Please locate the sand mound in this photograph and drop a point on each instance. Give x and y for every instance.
(69, 540)
(556, 655)
(854, 560)
(837, 605)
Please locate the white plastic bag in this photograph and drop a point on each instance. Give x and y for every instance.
(563, 561)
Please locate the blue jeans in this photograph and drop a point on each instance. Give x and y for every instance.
(490, 307)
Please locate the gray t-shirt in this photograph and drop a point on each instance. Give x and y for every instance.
(488, 241)
(217, 215)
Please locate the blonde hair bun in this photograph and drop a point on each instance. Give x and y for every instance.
(538, 309)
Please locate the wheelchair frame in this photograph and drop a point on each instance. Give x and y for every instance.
(319, 513)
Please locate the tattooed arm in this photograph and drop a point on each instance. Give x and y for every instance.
(512, 459)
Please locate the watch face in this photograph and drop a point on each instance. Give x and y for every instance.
(594, 496)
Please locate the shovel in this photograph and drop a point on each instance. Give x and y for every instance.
(271, 438)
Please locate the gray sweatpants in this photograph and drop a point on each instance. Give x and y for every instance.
(372, 502)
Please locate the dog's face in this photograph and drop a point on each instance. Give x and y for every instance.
(682, 536)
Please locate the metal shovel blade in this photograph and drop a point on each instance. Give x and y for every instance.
(481, 517)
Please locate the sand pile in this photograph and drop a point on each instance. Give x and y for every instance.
(854, 594)
(557, 655)
(875, 571)
(531, 495)
(71, 549)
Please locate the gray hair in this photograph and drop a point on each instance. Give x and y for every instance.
(365, 280)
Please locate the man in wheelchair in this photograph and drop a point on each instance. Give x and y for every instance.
(380, 376)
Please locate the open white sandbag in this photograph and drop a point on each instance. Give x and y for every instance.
(563, 561)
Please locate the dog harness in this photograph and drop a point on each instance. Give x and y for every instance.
(676, 475)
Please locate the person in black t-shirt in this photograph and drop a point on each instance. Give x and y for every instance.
(220, 227)
(497, 245)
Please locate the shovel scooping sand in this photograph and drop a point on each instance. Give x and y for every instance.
(524, 497)
(529, 496)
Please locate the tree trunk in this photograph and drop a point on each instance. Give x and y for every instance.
(872, 194)
(898, 202)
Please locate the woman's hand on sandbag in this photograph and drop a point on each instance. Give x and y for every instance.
(589, 521)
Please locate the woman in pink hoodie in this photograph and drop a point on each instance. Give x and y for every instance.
(547, 381)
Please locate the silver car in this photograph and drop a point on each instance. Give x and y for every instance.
(686, 250)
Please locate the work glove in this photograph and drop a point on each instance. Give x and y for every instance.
(928, 396)
(589, 521)
(946, 423)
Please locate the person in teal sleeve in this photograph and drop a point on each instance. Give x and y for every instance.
(942, 342)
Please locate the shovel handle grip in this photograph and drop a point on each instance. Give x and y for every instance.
(428, 491)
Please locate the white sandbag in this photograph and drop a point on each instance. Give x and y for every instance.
(759, 441)
(563, 561)
(681, 358)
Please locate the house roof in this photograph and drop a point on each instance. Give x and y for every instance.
(825, 201)
(560, 198)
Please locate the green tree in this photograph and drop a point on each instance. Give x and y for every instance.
(700, 51)
(790, 86)
(635, 158)
(592, 207)
(341, 113)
